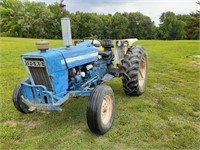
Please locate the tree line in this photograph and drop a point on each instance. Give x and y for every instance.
(39, 20)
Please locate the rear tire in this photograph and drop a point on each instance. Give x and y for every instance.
(17, 99)
(100, 109)
(134, 71)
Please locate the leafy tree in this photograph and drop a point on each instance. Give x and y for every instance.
(85, 24)
(171, 27)
(187, 20)
(193, 25)
(140, 26)
(40, 19)
(25, 19)
(106, 26)
(75, 20)
(11, 11)
(53, 27)
(119, 26)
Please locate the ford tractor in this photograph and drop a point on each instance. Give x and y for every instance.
(57, 74)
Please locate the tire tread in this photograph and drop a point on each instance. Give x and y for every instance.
(130, 69)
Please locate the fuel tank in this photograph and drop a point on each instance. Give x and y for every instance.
(78, 55)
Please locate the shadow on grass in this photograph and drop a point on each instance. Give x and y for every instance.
(73, 113)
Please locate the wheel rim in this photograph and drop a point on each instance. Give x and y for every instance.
(106, 109)
(142, 71)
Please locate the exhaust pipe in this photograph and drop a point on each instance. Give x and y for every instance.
(66, 27)
(66, 32)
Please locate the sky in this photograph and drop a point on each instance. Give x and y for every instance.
(151, 8)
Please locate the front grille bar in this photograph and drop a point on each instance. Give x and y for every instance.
(39, 72)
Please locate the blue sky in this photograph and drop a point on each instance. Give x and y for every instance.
(151, 8)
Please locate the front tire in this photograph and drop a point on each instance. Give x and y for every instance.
(134, 71)
(17, 99)
(100, 109)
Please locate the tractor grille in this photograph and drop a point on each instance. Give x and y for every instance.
(38, 72)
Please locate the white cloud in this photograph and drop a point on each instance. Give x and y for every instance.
(151, 8)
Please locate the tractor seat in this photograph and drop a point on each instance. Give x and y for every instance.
(105, 53)
(107, 43)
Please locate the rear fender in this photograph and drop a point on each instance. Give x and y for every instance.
(121, 49)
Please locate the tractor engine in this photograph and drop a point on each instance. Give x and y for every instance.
(80, 75)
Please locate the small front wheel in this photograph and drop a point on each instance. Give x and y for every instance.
(17, 99)
(100, 109)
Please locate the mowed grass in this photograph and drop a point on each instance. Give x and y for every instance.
(166, 116)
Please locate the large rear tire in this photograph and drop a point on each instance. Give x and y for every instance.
(134, 71)
(17, 99)
(100, 109)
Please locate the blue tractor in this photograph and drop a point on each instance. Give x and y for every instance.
(56, 74)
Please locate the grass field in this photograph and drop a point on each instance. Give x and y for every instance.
(166, 116)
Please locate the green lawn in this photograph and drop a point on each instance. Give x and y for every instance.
(166, 116)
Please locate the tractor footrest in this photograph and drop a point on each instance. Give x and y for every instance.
(107, 77)
(115, 72)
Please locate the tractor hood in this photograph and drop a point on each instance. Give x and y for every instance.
(78, 55)
(58, 58)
